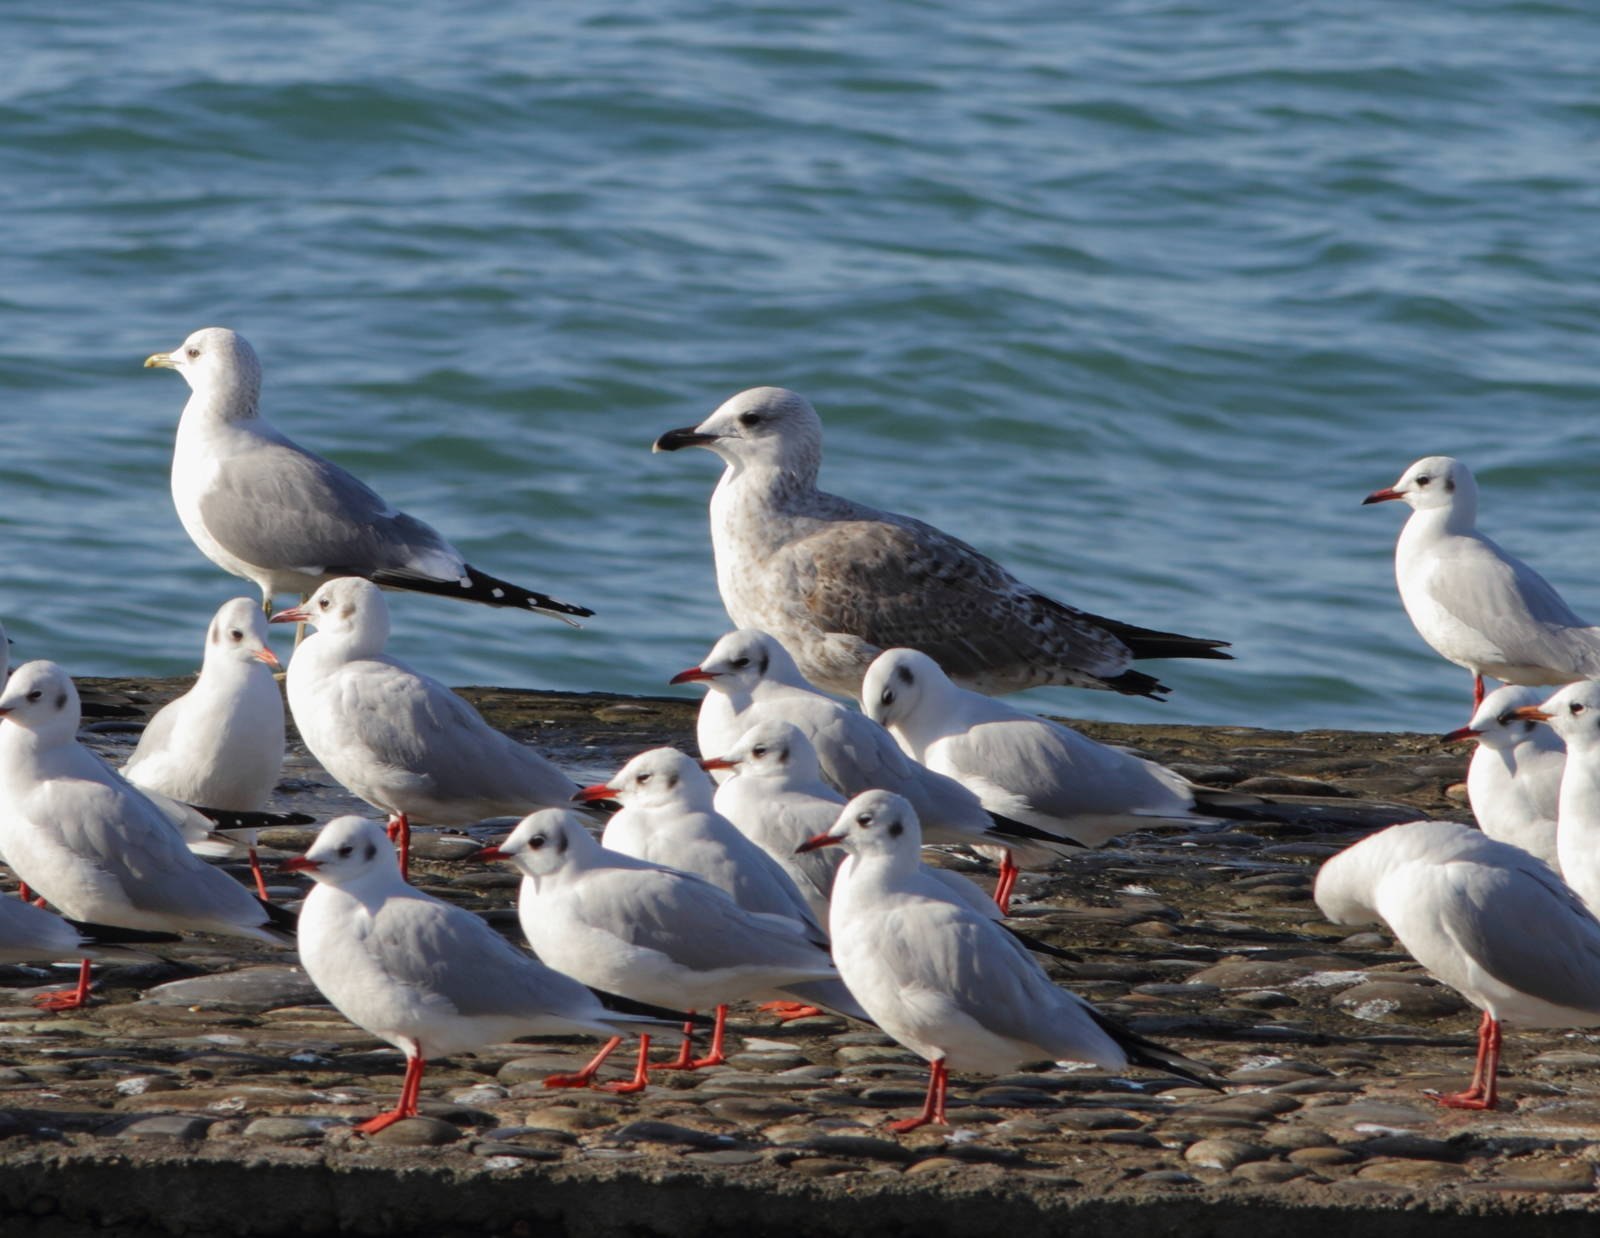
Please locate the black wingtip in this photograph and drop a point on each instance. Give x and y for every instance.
(1137, 683)
(1039, 946)
(618, 1004)
(1151, 1056)
(280, 918)
(483, 588)
(1009, 827)
(230, 819)
(116, 935)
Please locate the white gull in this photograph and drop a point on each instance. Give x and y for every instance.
(1514, 776)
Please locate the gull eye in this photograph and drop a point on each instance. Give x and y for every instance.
(641, 779)
(193, 352)
(345, 851)
(537, 841)
(759, 752)
(740, 663)
(749, 419)
(36, 694)
(1576, 708)
(325, 603)
(235, 634)
(1424, 480)
(864, 820)
(887, 698)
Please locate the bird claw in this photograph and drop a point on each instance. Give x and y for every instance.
(63, 999)
(382, 1122)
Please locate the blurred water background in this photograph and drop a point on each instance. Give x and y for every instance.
(1141, 298)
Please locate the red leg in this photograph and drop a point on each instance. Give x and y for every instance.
(399, 830)
(1007, 882)
(255, 871)
(715, 1057)
(584, 1077)
(1482, 1094)
(790, 1010)
(933, 1106)
(26, 895)
(67, 999)
(1477, 692)
(685, 1059)
(406, 1107)
(641, 1073)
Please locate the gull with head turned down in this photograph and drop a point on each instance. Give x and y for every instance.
(1514, 776)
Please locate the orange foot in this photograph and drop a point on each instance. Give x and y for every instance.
(581, 1079)
(382, 1122)
(785, 1011)
(62, 999)
(1470, 1099)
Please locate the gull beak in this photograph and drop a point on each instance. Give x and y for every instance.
(711, 763)
(599, 791)
(1530, 713)
(1382, 496)
(160, 361)
(693, 675)
(300, 864)
(489, 853)
(688, 436)
(816, 841)
(295, 614)
(266, 655)
(1459, 734)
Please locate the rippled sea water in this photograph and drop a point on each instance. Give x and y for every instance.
(1141, 300)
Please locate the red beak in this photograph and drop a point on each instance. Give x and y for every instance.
(1382, 496)
(489, 853)
(816, 841)
(1459, 734)
(266, 655)
(1530, 713)
(711, 763)
(599, 791)
(295, 614)
(693, 675)
(300, 864)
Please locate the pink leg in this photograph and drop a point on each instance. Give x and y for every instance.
(584, 1077)
(399, 830)
(715, 1057)
(67, 999)
(1482, 1093)
(933, 1106)
(407, 1105)
(1007, 883)
(641, 1073)
(1477, 692)
(790, 1010)
(255, 871)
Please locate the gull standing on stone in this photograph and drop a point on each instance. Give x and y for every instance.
(92, 843)
(429, 977)
(945, 982)
(220, 744)
(29, 934)
(655, 934)
(753, 679)
(1476, 605)
(1514, 777)
(838, 582)
(260, 506)
(1574, 716)
(1484, 917)
(394, 737)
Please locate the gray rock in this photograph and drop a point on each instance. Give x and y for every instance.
(417, 1133)
(647, 1131)
(249, 990)
(1223, 1153)
(289, 1129)
(1379, 1000)
(168, 1126)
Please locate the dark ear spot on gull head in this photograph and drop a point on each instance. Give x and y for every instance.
(561, 843)
(61, 701)
(371, 851)
(896, 829)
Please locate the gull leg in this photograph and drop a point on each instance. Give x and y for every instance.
(790, 1010)
(1007, 883)
(255, 871)
(584, 1077)
(26, 895)
(641, 1073)
(1481, 1094)
(716, 1056)
(406, 1107)
(67, 999)
(399, 831)
(933, 1106)
(1477, 692)
(685, 1059)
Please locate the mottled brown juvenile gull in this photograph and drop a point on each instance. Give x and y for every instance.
(839, 582)
(262, 507)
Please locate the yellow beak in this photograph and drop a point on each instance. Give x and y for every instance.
(163, 360)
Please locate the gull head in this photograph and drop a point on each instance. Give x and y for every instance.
(771, 427)
(238, 633)
(1496, 723)
(1432, 482)
(40, 697)
(1573, 713)
(771, 749)
(742, 659)
(661, 777)
(350, 610)
(543, 842)
(898, 683)
(219, 364)
(348, 850)
(873, 823)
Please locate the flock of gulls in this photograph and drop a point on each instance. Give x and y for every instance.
(782, 864)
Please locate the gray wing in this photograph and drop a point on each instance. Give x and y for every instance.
(690, 921)
(280, 507)
(1509, 604)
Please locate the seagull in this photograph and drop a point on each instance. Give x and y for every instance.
(427, 976)
(221, 743)
(92, 843)
(1514, 777)
(944, 981)
(262, 507)
(1476, 605)
(1574, 717)
(395, 738)
(655, 934)
(1023, 766)
(838, 582)
(753, 679)
(668, 817)
(29, 934)
(1481, 916)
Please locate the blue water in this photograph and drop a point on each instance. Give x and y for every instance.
(1142, 301)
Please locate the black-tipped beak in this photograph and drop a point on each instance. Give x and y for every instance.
(688, 436)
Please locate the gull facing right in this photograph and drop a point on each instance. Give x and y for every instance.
(1476, 605)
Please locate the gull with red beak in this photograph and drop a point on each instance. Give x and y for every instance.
(655, 934)
(92, 843)
(1473, 603)
(221, 743)
(1514, 777)
(395, 738)
(753, 680)
(1573, 715)
(1484, 917)
(837, 582)
(427, 976)
(946, 982)
(260, 506)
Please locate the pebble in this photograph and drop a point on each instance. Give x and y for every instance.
(1223, 1153)
(1323, 1157)
(420, 1132)
(566, 1118)
(1376, 1000)
(647, 1131)
(289, 1130)
(248, 990)
(167, 1126)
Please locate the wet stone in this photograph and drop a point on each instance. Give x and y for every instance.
(568, 1119)
(167, 1126)
(417, 1133)
(724, 1158)
(443, 847)
(518, 1151)
(1223, 1153)
(1266, 1173)
(865, 1146)
(1378, 1000)
(289, 1130)
(1411, 1147)
(1323, 1158)
(821, 1167)
(648, 1131)
(1409, 1173)
(752, 1109)
(248, 990)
